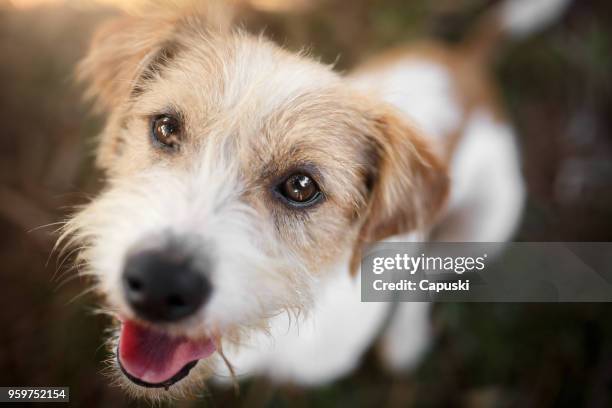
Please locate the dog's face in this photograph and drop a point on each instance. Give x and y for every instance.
(238, 174)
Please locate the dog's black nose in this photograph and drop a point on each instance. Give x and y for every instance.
(162, 285)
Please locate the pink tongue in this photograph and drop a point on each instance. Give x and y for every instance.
(155, 357)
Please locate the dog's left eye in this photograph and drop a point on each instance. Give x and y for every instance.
(300, 190)
(166, 130)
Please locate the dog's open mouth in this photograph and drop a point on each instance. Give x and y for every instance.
(151, 358)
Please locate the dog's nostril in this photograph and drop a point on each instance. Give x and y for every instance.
(176, 301)
(134, 284)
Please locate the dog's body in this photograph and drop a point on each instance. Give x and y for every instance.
(256, 176)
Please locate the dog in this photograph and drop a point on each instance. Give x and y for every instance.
(244, 181)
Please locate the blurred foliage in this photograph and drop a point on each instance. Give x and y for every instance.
(557, 87)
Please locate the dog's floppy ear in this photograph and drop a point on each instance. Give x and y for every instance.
(119, 51)
(124, 48)
(408, 183)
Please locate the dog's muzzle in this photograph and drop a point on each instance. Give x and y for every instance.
(162, 284)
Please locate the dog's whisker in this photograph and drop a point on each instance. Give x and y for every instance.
(70, 278)
(63, 261)
(67, 251)
(67, 276)
(40, 227)
(230, 367)
(54, 248)
(77, 266)
(80, 295)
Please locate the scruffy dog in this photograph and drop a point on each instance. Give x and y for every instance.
(243, 182)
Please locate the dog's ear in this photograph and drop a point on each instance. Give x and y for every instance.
(119, 52)
(408, 184)
(122, 49)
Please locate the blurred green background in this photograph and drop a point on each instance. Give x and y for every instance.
(557, 89)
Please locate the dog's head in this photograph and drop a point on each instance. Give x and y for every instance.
(238, 174)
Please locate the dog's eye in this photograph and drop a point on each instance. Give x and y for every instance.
(300, 190)
(166, 130)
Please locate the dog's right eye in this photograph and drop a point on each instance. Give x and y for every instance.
(166, 131)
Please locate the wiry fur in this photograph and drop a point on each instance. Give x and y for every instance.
(251, 114)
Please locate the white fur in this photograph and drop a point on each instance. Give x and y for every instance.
(272, 83)
(486, 202)
(486, 183)
(486, 176)
(408, 336)
(487, 189)
(323, 345)
(421, 89)
(252, 277)
(486, 196)
(523, 17)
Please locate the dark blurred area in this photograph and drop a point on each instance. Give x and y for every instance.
(557, 88)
